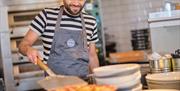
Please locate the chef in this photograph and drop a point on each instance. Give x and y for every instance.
(68, 35)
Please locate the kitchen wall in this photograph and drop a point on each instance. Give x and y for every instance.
(3, 16)
(166, 39)
(2, 2)
(121, 16)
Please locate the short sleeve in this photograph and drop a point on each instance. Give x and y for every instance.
(94, 35)
(39, 23)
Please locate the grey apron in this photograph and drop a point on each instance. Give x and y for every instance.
(69, 52)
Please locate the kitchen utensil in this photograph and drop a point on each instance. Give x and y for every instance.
(154, 66)
(165, 64)
(177, 52)
(54, 81)
(45, 67)
(176, 60)
(176, 64)
(161, 65)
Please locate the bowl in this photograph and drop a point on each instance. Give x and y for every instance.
(120, 69)
(169, 76)
(163, 85)
(170, 80)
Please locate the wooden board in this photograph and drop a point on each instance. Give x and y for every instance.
(130, 56)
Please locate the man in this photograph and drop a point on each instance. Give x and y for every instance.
(68, 36)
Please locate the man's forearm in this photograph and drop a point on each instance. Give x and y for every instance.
(23, 47)
(27, 42)
(93, 58)
(94, 62)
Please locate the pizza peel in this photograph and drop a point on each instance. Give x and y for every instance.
(54, 81)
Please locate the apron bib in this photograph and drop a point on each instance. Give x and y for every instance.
(69, 52)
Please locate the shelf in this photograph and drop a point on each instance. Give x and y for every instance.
(173, 1)
(164, 16)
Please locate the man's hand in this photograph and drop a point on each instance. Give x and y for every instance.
(33, 54)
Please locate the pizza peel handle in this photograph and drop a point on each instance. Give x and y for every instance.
(45, 67)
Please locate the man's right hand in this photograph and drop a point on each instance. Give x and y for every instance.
(33, 54)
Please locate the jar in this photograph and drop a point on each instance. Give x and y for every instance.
(176, 60)
(165, 64)
(154, 66)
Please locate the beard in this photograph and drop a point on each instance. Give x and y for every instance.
(73, 12)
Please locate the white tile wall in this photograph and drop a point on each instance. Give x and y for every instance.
(3, 19)
(122, 16)
(2, 2)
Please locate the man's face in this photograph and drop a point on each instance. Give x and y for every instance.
(74, 7)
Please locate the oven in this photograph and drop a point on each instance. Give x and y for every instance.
(21, 18)
(20, 14)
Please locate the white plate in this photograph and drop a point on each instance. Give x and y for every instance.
(138, 88)
(114, 69)
(122, 81)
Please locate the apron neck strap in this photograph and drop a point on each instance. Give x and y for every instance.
(60, 16)
(83, 22)
(84, 34)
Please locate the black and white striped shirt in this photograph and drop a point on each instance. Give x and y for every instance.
(45, 22)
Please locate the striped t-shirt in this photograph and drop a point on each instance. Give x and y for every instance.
(45, 22)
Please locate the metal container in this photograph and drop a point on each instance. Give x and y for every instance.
(154, 66)
(176, 64)
(176, 60)
(161, 65)
(165, 64)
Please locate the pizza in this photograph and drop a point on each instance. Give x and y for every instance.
(86, 88)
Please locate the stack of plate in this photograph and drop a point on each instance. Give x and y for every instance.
(125, 77)
(140, 39)
(170, 80)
